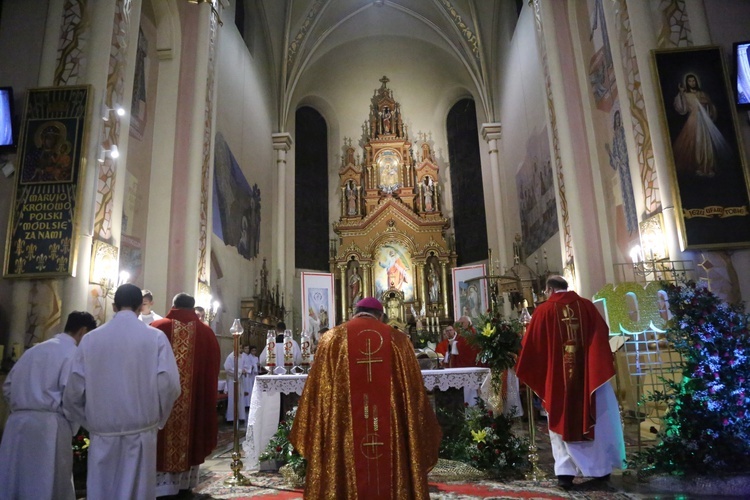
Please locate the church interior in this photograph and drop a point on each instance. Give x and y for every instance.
(282, 159)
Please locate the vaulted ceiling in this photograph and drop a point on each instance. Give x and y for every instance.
(304, 38)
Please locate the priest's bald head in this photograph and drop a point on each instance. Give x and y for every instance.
(128, 297)
(183, 301)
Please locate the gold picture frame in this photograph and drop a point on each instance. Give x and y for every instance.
(708, 169)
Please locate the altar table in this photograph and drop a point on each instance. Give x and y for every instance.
(263, 419)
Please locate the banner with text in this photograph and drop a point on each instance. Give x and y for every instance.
(41, 238)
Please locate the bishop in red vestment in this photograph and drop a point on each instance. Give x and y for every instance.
(364, 423)
(567, 362)
(191, 431)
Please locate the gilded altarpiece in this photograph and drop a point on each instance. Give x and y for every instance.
(392, 233)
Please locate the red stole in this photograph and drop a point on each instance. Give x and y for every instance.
(176, 434)
(369, 352)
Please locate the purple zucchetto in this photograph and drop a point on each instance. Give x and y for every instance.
(371, 303)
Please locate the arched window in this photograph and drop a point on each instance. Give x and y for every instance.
(311, 191)
(466, 183)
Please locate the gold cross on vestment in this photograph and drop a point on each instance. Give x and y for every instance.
(572, 323)
(370, 360)
(372, 442)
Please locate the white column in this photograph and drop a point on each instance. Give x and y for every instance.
(282, 142)
(492, 132)
(644, 40)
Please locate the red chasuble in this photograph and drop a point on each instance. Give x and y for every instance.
(191, 430)
(364, 422)
(565, 358)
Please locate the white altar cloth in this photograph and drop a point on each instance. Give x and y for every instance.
(263, 419)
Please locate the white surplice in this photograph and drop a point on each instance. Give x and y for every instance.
(245, 382)
(251, 371)
(229, 369)
(122, 385)
(594, 458)
(36, 455)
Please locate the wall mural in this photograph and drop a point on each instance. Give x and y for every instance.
(610, 133)
(138, 115)
(394, 270)
(536, 194)
(236, 205)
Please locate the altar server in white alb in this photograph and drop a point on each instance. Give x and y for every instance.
(122, 385)
(36, 458)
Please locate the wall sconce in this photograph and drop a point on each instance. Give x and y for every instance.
(212, 311)
(106, 111)
(114, 153)
(653, 241)
(206, 300)
(104, 267)
(109, 287)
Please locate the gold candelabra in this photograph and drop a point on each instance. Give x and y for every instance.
(536, 473)
(237, 478)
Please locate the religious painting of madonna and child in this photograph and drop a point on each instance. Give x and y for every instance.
(394, 270)
(536, 194)
(236, 205)
(317, 302)
(469, 292)
(712, 196)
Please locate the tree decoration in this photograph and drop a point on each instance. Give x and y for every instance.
(706, 427)
(281, 450)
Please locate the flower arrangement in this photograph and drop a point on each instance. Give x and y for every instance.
(81, 446)
(483, 439)
(706, 428)
(281, 450)
(498, 342)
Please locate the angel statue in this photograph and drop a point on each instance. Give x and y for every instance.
(418, 317)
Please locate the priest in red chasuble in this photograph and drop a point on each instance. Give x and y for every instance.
(567, 362)
(364, 423)
(191, 431)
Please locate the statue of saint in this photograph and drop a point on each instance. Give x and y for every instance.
(433, 285)
(387, 120)
(429, 192)
(351, 198)
(355, 286)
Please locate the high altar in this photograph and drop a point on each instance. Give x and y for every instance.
(392, 241)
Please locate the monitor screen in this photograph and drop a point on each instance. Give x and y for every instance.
(7, 135)
(742, 72)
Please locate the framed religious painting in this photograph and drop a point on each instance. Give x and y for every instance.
(711, 179)
(318, 302)
(470, 292)
(394, 270)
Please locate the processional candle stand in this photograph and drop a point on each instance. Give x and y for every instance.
(237, 478)
(536, 474)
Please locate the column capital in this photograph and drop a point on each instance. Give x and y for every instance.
(492, 131)
(282, 141)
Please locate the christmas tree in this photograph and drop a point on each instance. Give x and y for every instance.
(707, 427)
